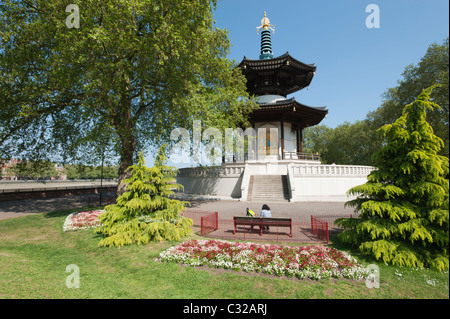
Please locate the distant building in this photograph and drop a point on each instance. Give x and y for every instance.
(7, 172)
(6, 166)
(61, 173)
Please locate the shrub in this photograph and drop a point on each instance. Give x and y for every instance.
(145, 212)
(404, 205)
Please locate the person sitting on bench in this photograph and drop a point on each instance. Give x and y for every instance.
(265, 212)
(251, 214)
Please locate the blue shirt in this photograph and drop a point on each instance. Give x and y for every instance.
(266, 213)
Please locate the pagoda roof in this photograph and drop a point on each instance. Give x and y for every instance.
(278, 62)
(290, 110)
(282, 75)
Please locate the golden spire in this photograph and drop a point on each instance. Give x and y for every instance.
(265, 24)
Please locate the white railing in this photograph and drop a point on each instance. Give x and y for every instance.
(287, 156)
(335, 170)
(301, 156)
(216, 171)
(233, 170)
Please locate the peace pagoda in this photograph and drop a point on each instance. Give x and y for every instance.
(276, 169)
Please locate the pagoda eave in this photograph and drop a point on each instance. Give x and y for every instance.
(289, 110)
(283, 60)
(283, 75)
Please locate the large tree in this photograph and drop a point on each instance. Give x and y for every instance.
(404, 205)
(133, 71)
(355, 143)
(432, 69)
(347, 144)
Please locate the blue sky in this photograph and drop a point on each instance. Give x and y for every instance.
(355, 64)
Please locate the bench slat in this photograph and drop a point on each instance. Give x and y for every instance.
(262, 221)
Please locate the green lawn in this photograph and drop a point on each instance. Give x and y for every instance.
(34, 254)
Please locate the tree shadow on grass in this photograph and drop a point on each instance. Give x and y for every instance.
(352, 250)
(66, 212)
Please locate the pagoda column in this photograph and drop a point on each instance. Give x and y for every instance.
(282, 139)
(300, 140)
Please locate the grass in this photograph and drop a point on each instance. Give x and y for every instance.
(34, 254)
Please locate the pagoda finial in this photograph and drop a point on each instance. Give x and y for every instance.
(265, 24)
(266, 42)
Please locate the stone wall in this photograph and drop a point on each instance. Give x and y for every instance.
(306, 182)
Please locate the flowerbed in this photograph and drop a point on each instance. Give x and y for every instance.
(314, 262)
(82, 220)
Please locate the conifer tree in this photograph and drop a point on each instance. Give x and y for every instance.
(404, 206)
(145, 212)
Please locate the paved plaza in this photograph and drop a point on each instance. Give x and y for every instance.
(300, 211)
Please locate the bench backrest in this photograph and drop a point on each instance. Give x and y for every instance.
(247, 219)
(275, 220)
(253, 218)
(268, 220)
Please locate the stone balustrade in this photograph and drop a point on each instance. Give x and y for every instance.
(334, 170)
(215, 171)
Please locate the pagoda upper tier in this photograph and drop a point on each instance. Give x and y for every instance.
(279, 76)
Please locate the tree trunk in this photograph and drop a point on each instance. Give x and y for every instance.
(125, 127)
(125, 130)
(126, 160)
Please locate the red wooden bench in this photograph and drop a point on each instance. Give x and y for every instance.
(262, 221)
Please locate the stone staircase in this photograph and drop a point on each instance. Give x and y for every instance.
(268, 188)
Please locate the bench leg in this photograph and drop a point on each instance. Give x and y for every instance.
(261, 228)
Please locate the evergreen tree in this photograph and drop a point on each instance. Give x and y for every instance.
(404, 205)
(145, 212)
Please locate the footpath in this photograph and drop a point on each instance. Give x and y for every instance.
(300, 211)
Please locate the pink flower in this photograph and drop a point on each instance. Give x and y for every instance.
(84, 219)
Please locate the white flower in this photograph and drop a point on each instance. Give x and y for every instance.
(82, 220)
(248, 257)
(304, 252)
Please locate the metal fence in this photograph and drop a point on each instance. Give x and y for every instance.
(301, 232)
(317, 230)
(319, 227)
(209, 223)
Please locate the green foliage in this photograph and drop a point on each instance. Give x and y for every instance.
(432, 69)
(145, 212)
(81, 171)
(131, 73)
(404, 205)
(346, 144)
(315, 139)
(34, 169)
(355, 143)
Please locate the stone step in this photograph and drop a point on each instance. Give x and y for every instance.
(270, 188)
